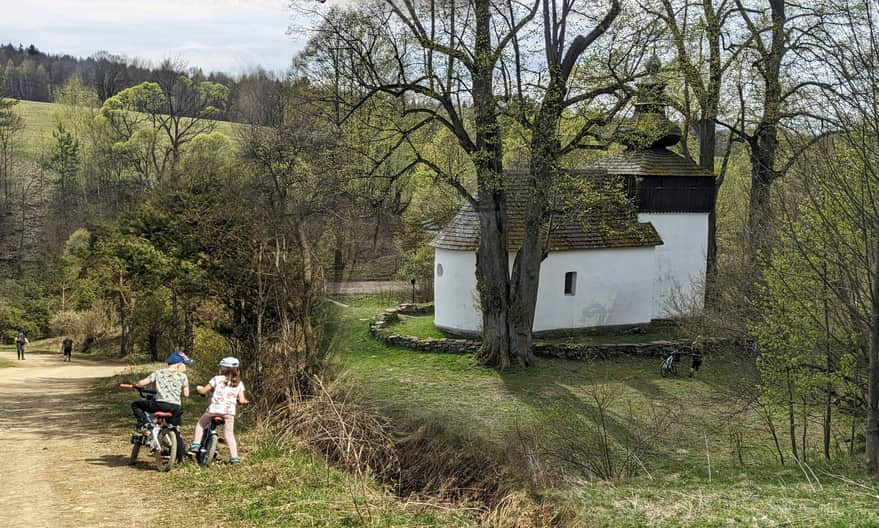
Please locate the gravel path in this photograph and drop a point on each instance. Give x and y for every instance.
(57, 468)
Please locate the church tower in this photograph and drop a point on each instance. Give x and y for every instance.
(672, 193)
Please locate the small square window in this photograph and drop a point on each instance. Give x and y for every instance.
(571, 283)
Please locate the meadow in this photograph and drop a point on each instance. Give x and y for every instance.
(40, 121)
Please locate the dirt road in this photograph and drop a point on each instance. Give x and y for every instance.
(56, 467)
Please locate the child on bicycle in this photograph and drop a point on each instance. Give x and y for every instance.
(171, 383)
(228, 392)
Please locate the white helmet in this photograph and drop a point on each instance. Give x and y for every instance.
(230, 362)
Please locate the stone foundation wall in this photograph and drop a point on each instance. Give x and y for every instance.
(379, 327)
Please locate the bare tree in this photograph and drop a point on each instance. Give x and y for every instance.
(463, 65)
(701, 40)
(773, 100)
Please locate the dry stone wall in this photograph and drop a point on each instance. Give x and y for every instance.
(381, 329)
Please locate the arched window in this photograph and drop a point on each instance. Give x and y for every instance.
(439, 270)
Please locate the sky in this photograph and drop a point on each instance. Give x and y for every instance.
(233, 36)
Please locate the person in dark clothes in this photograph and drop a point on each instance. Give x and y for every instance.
(67, 348)
(20, 342)
(697, 363)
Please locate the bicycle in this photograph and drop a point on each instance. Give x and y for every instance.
(207, 451)
(160, 436)
(669, 366)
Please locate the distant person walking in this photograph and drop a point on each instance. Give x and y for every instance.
(67, 348)
(20, 342)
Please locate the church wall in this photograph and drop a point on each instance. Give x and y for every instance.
(680, 262)
(454, 292)
(613, 287)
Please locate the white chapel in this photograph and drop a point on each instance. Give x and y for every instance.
(596, 277)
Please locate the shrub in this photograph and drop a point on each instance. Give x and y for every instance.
(14, 319)
(85, 326)
(210, 347)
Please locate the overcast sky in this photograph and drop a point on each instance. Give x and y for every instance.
(224, 35)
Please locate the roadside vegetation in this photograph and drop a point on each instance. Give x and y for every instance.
(565, 443)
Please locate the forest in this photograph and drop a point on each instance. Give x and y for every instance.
(156, 208)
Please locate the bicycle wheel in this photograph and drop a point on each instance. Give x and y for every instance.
(167, 452)
(210, 450)
(135, 450)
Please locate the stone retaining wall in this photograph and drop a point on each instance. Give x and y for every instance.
(379, 325)
(378, 328)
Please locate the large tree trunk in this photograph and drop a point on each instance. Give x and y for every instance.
(492, 279)
(545, 152)
(492, 257)
(764, 143)
(871, 430)
(707, 133)
(759, 212)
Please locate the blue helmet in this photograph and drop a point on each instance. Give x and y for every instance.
(179, 357)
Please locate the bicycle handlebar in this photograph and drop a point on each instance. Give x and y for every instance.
(144, 393)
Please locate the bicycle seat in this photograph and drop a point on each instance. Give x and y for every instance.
(219, 420)
(162, 414)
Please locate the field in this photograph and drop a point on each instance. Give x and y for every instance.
(39, 122)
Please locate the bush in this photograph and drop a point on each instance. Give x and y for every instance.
(84, 326)
(210, 347)
(14, 319)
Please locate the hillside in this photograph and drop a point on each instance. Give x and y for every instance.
(39, 119)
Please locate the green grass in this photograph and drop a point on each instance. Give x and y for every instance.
(282, 487)
(38, 126)
(418, 326)
(422, 326)
(40, 121)
(688, 475)
(274, 485)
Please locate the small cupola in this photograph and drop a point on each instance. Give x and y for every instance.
(649, 126)
(659, 180)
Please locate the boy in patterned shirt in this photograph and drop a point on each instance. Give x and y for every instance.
(170, 383)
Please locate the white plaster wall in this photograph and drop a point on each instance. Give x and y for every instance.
(614, 287)
(680, 261)
(454, 294)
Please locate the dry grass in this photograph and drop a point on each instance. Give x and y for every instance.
(425, 466)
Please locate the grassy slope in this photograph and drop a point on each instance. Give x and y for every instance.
(692, 477)
(273, 486)
(39, 122)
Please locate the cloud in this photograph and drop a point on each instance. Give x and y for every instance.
(227, 35)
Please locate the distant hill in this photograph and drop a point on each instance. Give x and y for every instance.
(29, 74)
(39, 122)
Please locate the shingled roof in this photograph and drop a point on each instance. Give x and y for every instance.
(655, 161)
(606, 227)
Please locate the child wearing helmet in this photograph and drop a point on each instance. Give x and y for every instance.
(228, 392)
(170, 382)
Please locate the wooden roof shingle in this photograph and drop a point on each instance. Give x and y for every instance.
(612, 226)
(655, 161)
